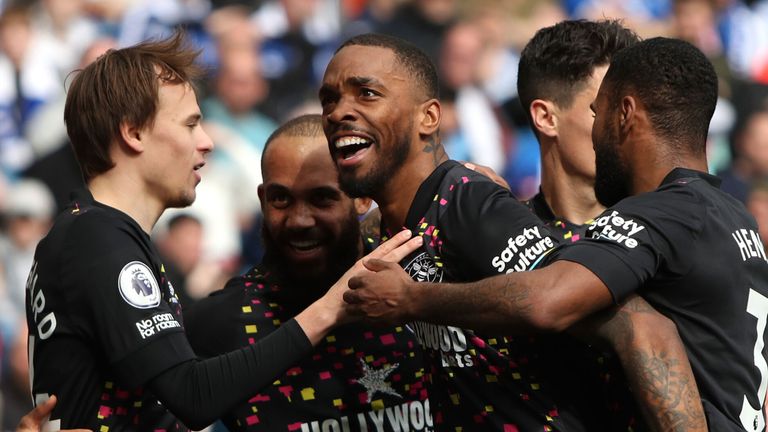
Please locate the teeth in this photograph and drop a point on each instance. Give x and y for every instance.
(350, 140)
(303, 244)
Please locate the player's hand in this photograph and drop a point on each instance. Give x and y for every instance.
(391, 251)
(35, 419)
(381, 293)
(488, 172)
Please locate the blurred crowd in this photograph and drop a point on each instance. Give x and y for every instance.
(263, 61)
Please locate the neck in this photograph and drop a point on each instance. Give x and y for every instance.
(122, 192)
(568, 194)
(398, 194)
(656, 163)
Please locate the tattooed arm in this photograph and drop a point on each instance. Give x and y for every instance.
(655, 363)
(550, 299)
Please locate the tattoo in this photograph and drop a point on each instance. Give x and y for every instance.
(657, 368)
(370, 226)
(436, 148)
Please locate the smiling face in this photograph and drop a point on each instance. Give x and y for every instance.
(175, 146)
(310, 226)
(369, 112)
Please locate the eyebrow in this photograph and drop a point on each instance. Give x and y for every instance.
(357, 81)
(196, 117)
(364, 81)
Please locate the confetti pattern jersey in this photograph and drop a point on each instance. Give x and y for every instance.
(611, 392)
(103, 320)
(357, 379)
(473, 229)
(695, 255)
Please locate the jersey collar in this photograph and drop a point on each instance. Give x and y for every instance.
(682, 175)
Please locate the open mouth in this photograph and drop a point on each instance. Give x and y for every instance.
(304, 245)
(350, 146)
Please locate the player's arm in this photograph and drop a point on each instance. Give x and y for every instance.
(655, 362)
(553, 298)
(200, 391)
(549, 299)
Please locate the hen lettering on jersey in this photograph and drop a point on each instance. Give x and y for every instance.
(450, 342)
(409, 416)
(155, 324)
(749, 243)
(616, 228)
(46, 324)
(522, 251)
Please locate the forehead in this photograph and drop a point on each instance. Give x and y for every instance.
(299, 162)
(365, 61)
(176, 99)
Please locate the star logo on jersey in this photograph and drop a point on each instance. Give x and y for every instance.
(374, 380)
(423, 269)
(137, 286)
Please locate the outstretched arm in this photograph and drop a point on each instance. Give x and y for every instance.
(654, 361)
(200, 391)
(549, 299)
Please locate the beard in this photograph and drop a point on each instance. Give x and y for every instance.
(611, 176)
(306, 285)
(372, 183)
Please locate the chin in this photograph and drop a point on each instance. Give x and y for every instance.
(183, 201)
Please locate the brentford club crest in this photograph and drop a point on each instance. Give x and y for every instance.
(423, 269)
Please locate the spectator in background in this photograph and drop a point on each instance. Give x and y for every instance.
(695, 21)
(479, 129)
(423, 23)
(180, 248)
(56, 165)
(27, 212)
(750, 146)
(757, 204)
(299, 36)
(64, 24)
(28, 78)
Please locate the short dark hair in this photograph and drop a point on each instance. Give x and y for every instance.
(122, 86)
(408, 55)
(559, 59)
(676, 84)
(308, 125)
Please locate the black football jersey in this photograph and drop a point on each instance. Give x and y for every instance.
(694, 253)
(103, 320)
(473, 229)
(359, 378)
(611, 390)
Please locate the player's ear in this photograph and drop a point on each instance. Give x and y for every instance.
(131, 136)
(628, 113)
(430, 116)
(544, 117)
(362, 205)
(260, 191)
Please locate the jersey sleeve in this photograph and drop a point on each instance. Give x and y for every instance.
(211, 323)
(122, 293)
(627, 243)
(495, 233)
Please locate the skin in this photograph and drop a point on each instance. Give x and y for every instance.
(558, 296)
(367, 94)
(567, 158)
(310, 223)
(158, 163)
